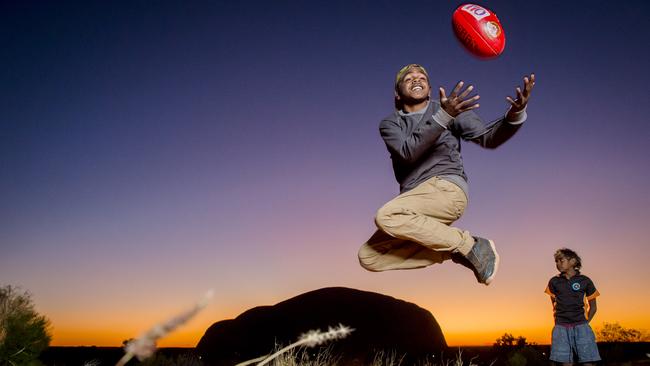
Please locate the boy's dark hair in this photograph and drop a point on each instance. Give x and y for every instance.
(569, 254)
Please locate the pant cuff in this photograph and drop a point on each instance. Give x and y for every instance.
(466, 246)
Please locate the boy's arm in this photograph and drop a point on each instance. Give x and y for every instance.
(550, 294)
(591, 293)
(592, 309)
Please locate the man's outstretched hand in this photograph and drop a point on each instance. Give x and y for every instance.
(456, 103)
(519, 104)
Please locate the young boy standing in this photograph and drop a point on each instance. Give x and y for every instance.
(573, 296)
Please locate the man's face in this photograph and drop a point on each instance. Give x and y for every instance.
(414, 88)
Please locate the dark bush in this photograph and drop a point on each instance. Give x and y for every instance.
(24, 333)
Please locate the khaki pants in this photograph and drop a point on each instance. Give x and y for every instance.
(414, 229)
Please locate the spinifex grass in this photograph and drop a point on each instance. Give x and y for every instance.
(309, 339)
(145, 346)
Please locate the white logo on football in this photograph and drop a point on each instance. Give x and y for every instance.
(477, 12)
(492, 29)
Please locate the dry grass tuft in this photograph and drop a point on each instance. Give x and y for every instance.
(144, 346)
(309, 339)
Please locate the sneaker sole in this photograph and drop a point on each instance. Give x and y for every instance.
(496, 263)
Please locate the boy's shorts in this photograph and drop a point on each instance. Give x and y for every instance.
(568, 340)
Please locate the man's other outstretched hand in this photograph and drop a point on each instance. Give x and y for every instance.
(519, 104)
(457, 103)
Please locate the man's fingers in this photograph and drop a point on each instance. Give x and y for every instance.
(529, 88)
(466, 92)
(522, 96)
(469, 108)
(456, 89)
(531, 84)
(468, 101)
(473, 106)
(443, 96)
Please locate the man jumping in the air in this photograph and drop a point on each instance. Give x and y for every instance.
(423, 138)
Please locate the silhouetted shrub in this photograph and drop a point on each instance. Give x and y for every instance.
(24, 333)
(517, 351)
(508, 341)
(614, 332)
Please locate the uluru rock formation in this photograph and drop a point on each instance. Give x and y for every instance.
(381, 323)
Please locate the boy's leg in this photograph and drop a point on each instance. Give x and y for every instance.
(585, 341)
(423, 215)
(561, 350)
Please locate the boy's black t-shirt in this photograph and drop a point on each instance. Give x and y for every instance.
(571, 297)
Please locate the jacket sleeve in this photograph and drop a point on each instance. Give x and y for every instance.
(409, 148)
(471, 128)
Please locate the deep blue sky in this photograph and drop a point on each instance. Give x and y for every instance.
(149, 146)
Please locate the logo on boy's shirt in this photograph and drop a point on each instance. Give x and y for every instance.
(575, 286)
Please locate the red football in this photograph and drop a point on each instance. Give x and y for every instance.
(479, 30)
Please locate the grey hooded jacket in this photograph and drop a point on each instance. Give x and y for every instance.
(421, 148)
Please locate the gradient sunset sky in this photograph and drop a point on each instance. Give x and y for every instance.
(150, 151)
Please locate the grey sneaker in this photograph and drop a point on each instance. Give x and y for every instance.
(483, 260)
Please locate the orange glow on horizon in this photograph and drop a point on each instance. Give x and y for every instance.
(190, 336)
(190, 339)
